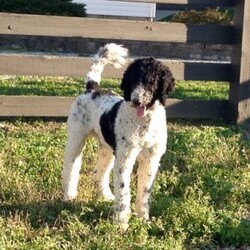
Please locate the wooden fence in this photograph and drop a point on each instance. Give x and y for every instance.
(107, 30)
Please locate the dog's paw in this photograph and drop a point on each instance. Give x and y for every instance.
(123, 227)
(108, 196)
(68, 198)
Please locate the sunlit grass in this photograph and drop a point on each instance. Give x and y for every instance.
(51, 86)
(201, 198)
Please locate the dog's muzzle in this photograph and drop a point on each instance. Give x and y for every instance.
(140, 108)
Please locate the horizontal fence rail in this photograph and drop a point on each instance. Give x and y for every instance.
(45, 65)
(17, 24)
(50, 106)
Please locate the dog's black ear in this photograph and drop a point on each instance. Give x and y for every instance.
(125, 87)
(126, 84)
(166, 84)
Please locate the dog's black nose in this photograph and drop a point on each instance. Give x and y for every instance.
(136, 102)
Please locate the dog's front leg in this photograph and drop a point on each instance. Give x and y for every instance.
(148, 163)
(123, 167)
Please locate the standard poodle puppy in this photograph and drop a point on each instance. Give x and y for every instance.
(129, 129)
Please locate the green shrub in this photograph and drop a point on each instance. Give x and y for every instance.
(208, 16)
(43, 7)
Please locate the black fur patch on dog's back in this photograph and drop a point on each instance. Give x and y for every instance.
(100, 93)
(107, 122)
(92, 85)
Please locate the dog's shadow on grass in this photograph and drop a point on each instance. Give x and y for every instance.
(57, 213)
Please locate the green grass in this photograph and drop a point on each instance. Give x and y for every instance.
(201, 198)
(75, 86)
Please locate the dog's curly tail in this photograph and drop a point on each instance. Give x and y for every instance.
(111, 53)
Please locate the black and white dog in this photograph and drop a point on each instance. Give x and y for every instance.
(128, 129)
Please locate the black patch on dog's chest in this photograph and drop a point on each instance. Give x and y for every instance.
(107, 122)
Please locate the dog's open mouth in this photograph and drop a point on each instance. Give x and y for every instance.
(141, 111)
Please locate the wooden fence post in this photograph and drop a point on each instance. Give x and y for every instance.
(239, 96)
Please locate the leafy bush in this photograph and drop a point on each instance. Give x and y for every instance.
(209, 16)
(43, 7)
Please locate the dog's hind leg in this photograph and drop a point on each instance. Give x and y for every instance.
(73, 158)
(105, 162)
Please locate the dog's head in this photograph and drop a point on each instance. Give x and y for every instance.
(145, 81)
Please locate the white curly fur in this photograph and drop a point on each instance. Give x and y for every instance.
(140, 138)
(110, 54)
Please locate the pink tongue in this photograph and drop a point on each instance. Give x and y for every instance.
(141, 111)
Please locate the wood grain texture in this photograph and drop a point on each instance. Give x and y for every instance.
(17, 24)
(240, 89)
(41, 106)
(197, 109)
(42, 65)
(34, 106)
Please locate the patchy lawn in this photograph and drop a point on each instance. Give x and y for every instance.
(201, 198)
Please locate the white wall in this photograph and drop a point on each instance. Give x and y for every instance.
(117, 8)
